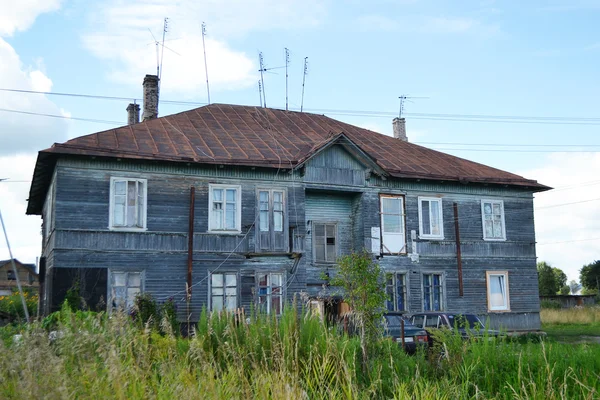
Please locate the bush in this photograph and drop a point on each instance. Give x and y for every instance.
(11, 305)
(550, 304)
(160, 318)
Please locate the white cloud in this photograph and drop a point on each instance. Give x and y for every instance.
(120, 35)
(19, 15)
(426, 24)
(23, 231)
(575, 177)
(19, 132)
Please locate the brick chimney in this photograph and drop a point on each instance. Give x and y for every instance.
(400, 129)
(150, 97)
(133, 113)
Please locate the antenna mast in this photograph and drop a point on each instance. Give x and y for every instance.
(205, 65)
(162, 53)
(404, 98)
(260, 93)
(262, 81)
(303, 82)
(287, 62)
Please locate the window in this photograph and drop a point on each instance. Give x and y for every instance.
(272, 234)
(432, 321)
(324, 242)
(493, 219)
(270, 293)
(127, 203)
(10, 275)
(431, 225)
(223, 292)
(432, 292)
(497, 290)
(124, 286)
(392, 225)
(225, 212)
(418, 320)
(48, 220)
(396, 292)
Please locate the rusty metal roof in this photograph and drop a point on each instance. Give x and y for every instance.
(262, 137)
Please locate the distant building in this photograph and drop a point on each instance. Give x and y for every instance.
(8, 280)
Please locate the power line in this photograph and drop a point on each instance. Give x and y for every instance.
(99, 121)
(567, 204)
(511, 144)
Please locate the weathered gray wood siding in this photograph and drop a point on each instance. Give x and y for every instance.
(335, 166)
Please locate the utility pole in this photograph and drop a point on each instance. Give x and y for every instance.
(14, 267)
(261, 62)
(303, 81)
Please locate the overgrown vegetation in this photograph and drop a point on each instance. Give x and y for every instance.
(295, 357)
(572, 325)
(12, 307)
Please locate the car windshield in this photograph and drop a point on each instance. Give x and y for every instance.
(465, 321)
(394, 321)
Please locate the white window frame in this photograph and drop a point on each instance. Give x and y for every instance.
(314, 242)
(269, 292)
(384, 248)
(238, 209)
(440, 218)
(394, 300)
(442, 290)
(271, 212)
(224, 287)
(492, 202)
(111, 208)
(110, 296)
(506, 305)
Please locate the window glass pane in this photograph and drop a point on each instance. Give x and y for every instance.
(497, 209)
(216, 280)
(264, 221)
(276, 279)
(217, 194)
(217, 291)
(278, 221)
(330, 232)
(498, 229)
(231, 280)
(140, 205)
(131, 293)
(391, 205)
(489, 228)
(264, 200)
(119, 279)
(487, 208)
(230, 217)
(230, 291)
(331, 254)
(435, 218)
(231, 303)
(392, 223)
(278, 201)
(217, 303)
(134, 279)
(320, 251)
(120, 187)
(276, 305)
(319, 230)
(262, 280)
(426, 217)
(231, 195)
(119, 211)
(217, 219)
(497, 291)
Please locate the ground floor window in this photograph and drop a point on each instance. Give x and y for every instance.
(497, 290)
(270, 293)
(396, 292)
(223, 292)
(433, 295)
(124, 286)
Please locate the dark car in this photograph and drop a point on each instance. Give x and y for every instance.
(413, 336)
(469, 325)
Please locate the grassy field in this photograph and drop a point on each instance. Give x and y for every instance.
(575, 325)
(293, 358)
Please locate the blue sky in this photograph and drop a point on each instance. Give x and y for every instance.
(502, 58)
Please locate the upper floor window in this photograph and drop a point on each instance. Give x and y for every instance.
(223, 292)
(272, 233)
(324, 242)
(492, 212)
(127, 203)
(392, 224)
(48, 220)
(124, 287)
(270, 293)
(431, 225)
(433, 292)
(225, 211)
(396, 292)
(497, 290)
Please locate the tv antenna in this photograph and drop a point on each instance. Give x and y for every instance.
(287, 62)
(304, 81)
(205, 65)
(260, 93)
(262, 69)
(404, 98)
(159, 54)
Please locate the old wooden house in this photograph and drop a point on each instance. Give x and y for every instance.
(28, 278)
(246, 205)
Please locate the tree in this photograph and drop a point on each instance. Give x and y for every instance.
(546, 279)
(589, 276)
(561, 278)
(364, 291)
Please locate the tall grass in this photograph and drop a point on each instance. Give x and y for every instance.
(293, 357)
(577, 316)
